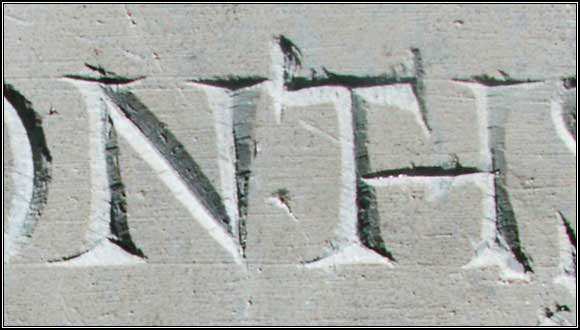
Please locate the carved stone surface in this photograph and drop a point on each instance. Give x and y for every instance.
(290, 165)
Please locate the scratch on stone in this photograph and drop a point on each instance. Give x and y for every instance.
(315, 130)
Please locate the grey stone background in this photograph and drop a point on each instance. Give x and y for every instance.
(528, 51)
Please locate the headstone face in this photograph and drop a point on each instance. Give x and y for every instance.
(289, 165)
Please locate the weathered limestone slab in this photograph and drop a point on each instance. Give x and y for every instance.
(290, 165)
